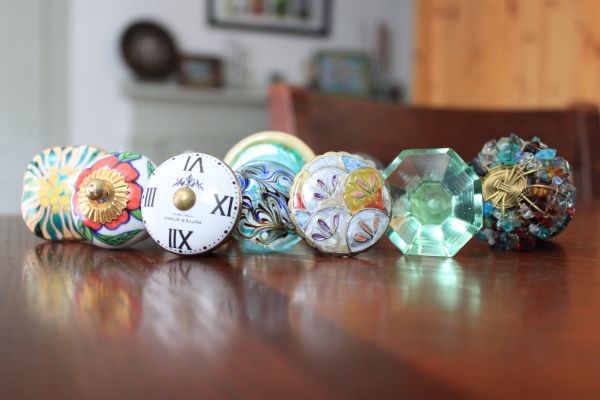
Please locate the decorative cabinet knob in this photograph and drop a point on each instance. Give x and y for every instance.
(279, 147)
(265, 224)
(106, 200)
(340, 204)
(436, 202)
(48, 188)
(192, 204)
(528, 192)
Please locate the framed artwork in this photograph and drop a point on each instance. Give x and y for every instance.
(343, 73)
(200, 71)
(304, 17)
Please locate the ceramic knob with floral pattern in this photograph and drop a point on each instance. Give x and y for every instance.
(340, 204)
(107, 198)
(47, 189)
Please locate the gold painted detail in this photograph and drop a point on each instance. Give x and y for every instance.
(506, 187)
(184, 199)
(103, 195)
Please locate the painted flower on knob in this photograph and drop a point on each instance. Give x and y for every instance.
(129, 174)
(107, 200)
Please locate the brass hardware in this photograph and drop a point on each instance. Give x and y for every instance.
(103, 195)
(505, 187)
(184, 199)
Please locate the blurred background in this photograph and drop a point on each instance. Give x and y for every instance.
(162, 77)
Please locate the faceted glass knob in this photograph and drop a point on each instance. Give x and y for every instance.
(437, 205)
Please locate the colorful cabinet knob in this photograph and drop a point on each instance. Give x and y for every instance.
(436, 202)
(528, 192)
(48, 187)
(340, 204)
(106, 200)
(192, 204)
(279, 147)
(265, 224)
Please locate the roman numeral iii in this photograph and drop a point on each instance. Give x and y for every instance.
(177, 239)
(223, 204)
(192, 162)
(149, 196)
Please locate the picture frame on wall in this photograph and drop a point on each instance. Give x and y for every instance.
(346, 73)
(200, 71)
(302, 17)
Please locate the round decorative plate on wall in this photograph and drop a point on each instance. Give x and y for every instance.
(149, 50)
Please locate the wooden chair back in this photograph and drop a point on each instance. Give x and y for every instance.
(328, 123)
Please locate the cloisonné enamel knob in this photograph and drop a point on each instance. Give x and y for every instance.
(340, 204)
(192, 204)
(265, 224)
(279, 147)
(107, 198)
(48, 187)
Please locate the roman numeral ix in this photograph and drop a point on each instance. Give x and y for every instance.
(177, 239)
(189, 165)
(221, 203)
(149, 196)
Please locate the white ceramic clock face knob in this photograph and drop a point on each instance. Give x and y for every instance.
(191, 204)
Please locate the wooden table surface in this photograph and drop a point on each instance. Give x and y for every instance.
(79, 322)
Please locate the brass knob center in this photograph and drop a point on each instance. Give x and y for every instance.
(184, 199)
(96, 189)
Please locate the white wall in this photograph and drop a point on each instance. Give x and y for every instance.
(99, 113)
(32, 88)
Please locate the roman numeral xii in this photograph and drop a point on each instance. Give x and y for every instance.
(177, 239)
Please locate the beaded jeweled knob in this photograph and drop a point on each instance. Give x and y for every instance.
(192, 204)
(340, 204)
(528, 192)
(106, 200)
(265, 224)
(279, 147)
(48, 187)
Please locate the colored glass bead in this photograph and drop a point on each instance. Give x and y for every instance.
(265, 224)
(436, 202)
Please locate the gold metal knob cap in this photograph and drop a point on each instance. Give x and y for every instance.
(184, 199)
(96, 189)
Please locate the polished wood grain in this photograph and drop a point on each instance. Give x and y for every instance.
(78, 322)
(506, 53)
(333, 123)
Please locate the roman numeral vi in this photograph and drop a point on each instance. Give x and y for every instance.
(189, 165)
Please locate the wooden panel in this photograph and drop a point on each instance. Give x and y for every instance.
(507, 53)
(79, 322)
(382, 130)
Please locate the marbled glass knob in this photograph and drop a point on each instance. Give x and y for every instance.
(265, 224)
(279, 147)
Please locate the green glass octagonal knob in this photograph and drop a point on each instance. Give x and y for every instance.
(437, 206)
